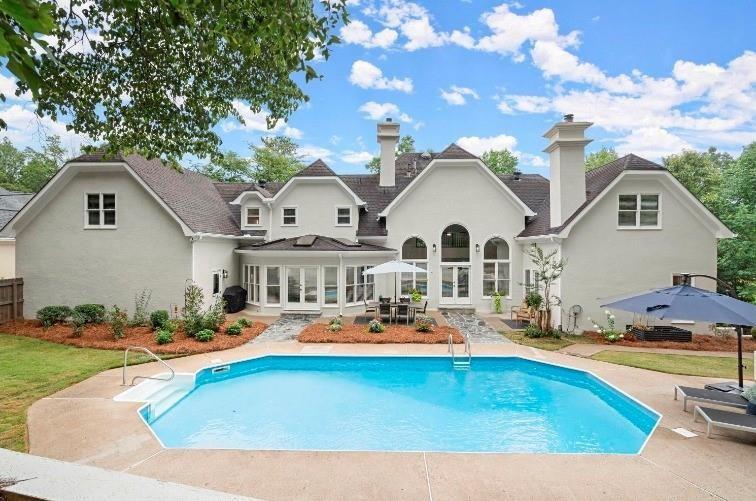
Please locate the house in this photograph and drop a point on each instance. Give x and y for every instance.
(104, 228)
(10, 203)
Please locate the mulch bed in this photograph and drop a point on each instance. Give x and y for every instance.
(100, 336)
(700, 342)
(319, 333)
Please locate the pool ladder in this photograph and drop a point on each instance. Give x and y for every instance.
(153, 356)
(461, 362)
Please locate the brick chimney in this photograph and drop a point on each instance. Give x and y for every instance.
(566, 151)
(388, 136)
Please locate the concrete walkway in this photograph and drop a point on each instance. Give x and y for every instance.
(588, 350)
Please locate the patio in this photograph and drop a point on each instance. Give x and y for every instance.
(83, 424)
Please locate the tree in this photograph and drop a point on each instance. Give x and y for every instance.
(548, 269)
(601, 157)
(28, 170)
(700, 172)
(159, 75)
(500, 161)
(276, 159)
(230, 168)
(406, 144)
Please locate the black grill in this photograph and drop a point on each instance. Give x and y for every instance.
(235, 297)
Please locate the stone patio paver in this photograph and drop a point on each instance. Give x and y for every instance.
(474, 326)
(286, 328)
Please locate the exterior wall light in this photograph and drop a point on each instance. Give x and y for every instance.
(477, 247)
(434, 248)
(225, 273)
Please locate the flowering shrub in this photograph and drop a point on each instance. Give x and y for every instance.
(117, 318)
(376, 326)
(610, 332)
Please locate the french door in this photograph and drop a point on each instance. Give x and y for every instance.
(455, 284)
(302, 288)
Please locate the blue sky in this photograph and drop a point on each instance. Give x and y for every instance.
(655, 77)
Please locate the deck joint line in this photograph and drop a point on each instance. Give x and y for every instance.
(684, 479)
(143, 460)
(427, 478)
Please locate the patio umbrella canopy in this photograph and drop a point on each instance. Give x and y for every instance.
(393, 267)
(685, 302)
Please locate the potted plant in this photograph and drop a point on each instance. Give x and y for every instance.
(750, 395)
(416, 296)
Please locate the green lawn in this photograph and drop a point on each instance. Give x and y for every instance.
(690, 365)
(31, 369)
(544, 343)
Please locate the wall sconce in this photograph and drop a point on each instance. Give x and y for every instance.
(434, 248)
(225, 273)
(477, 247)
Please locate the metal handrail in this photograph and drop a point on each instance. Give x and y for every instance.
(148, 352)
(468, 347)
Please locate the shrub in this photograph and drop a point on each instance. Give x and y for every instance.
(244, 322)
(376, 326)
(205, 335)
(117, 319)
(533, 300)
(141, 304)
(78, 321)
(335, 327)
(610, 333)
(497, 302)
(423, 324)
(234, 329)
(192, 313)
(158, 318)
(336, 320)
(416, 296)
(532, 331)
(215, 315)
(91, 313)
(171, 326)
(50, 315)
(163, 337)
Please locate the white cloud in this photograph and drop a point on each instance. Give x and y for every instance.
(257, 122)
(376, 111)
(479, 145)
(8, 89)
(357, 32)
(335, 139)
(418, 125)
(369, 76)
(25, 128)
(652, 142)
(356, 157)
(310, 152)
(456, 95)
(532, 160)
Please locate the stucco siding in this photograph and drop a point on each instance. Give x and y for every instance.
(63, 263)
(209, 254)
(7, 258)
(459, 194)
(606, 261)
(316, 211)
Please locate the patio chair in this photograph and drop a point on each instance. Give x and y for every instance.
(522, 313)
(415, 311)
(710, 397)
(382, 299)
(716, 418)
(370, 308)
(384, 311)
(402, 311)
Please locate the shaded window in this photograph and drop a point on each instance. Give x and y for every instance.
(455, 244)
(415, 252)
(496, 268)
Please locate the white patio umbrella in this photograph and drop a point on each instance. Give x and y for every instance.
(393, 267)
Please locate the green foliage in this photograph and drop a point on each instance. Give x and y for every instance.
(700, 172)
(205, 335)
(497, 302)
(91, 313)
(610, 332)
(500, 161)
(376, 326)
(28, 170)
(276, 159)
(406, 144)
(335, 327)
(158, 318)
(532, 331)
(416, 296)
(163, 337)
(533, 300)
(141, 308)
(228, 168)
(192, 312)
(160, 75)
(601, 157)
(215, 315)
(78, 321)
(244, 322)
(234, 329)
(171, 326)
(50, 315)
(117, 319)
(423, 324)
(548, 269)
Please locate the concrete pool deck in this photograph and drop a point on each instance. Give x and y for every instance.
(84, 424)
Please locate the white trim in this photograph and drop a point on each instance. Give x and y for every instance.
(100, 210)
(496, 262)
(302, 305)
(638, 200)
(200, 236)
(245, 220)
(296, 180)
(442, 161)
(296, 215)
(279, 285)
(311, 253)
(323, 303)
(336, 210)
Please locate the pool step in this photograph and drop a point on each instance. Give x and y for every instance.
(461, 365)
(165, 399)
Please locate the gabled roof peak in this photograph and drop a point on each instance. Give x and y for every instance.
(454, 151)
(318, 168)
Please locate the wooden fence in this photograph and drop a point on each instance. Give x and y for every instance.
(11, 299)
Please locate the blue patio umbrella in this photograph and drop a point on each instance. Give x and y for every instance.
(685, 302)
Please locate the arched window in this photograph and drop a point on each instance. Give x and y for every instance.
(415, 252)
(455, 244)
(496, 272)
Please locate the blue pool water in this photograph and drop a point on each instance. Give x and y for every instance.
(503, 404)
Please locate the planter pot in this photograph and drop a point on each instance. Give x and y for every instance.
(751, 409)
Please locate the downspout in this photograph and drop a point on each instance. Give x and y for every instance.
(194, 238)
(340, 281)
(269, 205)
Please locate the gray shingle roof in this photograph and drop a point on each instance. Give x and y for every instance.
(316, 169)
(454, 151)
(318, 243)
(10, 203)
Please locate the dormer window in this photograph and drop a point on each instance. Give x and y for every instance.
(100, 210)
(639, 211)
(289, 216)
(343, 216)
(253, 216)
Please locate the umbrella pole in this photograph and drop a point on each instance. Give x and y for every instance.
(396, 298)
(740, 356)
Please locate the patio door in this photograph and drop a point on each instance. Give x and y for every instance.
(302, 288)
(455, 284)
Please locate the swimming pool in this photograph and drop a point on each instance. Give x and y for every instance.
(348, 403)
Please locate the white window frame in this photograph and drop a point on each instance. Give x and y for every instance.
(496, 263)
(339, 207)
(252, 282)
(296, 215)
(638, 211)
(361, 281)
(101, 210)
(246, 217)
(268, 285)
(415, 262)
(323, 286)
(216, 273)
(527, 286)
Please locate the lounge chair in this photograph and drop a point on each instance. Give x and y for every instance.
(716, 418)
(710, 397)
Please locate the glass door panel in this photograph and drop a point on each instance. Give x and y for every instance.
(463, 283)
(310, 280)
(447, 282)
(293, 286)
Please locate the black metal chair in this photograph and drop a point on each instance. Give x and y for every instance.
(403, 310)
(382, 299)
(384, 310)
(415, 311)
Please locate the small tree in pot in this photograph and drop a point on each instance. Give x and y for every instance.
(548, 269)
